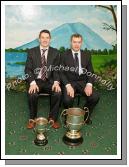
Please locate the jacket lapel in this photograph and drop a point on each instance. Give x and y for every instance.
(38, 56)
(83, 60)
(71, 59)
(49, 57)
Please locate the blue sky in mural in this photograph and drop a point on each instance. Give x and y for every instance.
(23, 23)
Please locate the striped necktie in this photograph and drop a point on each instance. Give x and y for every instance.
(44, 65)
(76, 62)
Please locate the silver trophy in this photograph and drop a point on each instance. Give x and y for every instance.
(74, 122)
(42, 125)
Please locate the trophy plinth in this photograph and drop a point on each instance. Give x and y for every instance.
(74, 122)
(73, 138)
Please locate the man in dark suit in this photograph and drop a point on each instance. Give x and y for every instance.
(42, 78)
(76, 67)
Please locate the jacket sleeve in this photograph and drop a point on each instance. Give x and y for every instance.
(63, 76)
(90, 69)
(29, 67)
(56, 76)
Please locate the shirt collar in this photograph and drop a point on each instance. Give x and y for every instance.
(43, 48)
(75, 51)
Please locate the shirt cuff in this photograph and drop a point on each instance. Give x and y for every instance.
(90, 84)
(67, 85)
(56, 82)
(33, 83)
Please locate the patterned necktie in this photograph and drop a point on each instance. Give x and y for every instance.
(44, 65)
(76, 62)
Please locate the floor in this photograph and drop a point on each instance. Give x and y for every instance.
(100, 138)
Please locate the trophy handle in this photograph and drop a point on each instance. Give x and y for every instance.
(63, 114)
(87, 111)
(51, 122)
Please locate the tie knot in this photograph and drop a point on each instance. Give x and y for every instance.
(43, 50)
(76, 54)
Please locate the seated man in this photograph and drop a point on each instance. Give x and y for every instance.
(74, 78)
(41, 79)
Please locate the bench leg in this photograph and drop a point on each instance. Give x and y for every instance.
(78, 102)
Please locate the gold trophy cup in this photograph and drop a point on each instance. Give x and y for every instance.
(74, 122)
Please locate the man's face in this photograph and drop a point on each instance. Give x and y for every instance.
(76, 43)
(44, 39)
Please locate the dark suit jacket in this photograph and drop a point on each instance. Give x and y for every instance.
(67, 60)
(33, 63)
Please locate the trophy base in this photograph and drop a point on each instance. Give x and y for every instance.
(72, 142)
(40, 142)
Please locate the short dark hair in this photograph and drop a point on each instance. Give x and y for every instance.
(45, 31)
(76, 36)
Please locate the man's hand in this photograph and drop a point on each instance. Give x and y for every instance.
(56, 87)
(88, 90)
(70, 90)
(33, 88)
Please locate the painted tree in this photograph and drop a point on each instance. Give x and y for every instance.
(110, 8)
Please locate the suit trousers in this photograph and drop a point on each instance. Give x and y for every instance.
(44, 87)
(79, 86)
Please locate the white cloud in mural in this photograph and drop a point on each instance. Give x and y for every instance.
(30, 12)
(24, 22)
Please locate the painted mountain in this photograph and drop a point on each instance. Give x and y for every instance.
(61, 37)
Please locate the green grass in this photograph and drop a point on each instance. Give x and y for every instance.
(20, 63)
(99, 60)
